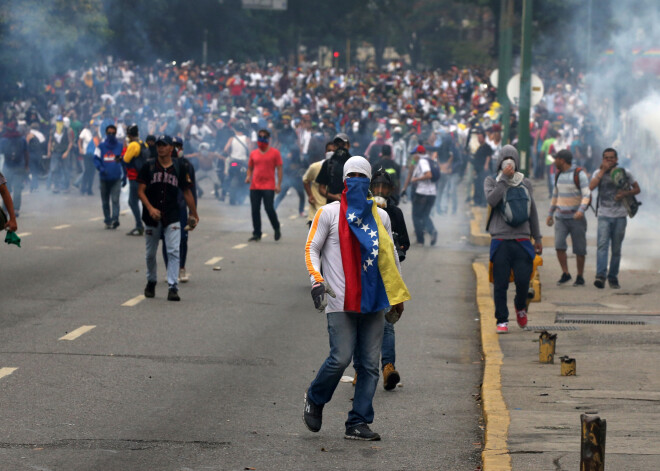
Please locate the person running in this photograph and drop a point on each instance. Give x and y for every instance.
(264, 163)
(350, 242)
(136, 155)
(107, 159)
(159, 183)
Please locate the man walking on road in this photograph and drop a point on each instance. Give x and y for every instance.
(513, 220)
(264, 163)
(136, 155)
(7, 202)
(424, 194)
(570, 200)
(612, 214)
(350, 241)
(17, 162)
(107, 159)
(159, 183)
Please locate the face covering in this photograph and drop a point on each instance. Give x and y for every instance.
(111, 138)
(59, 126)
(328, 155)
(357, 187)
(262, 143)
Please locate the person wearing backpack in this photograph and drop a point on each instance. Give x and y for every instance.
(424, 193)
(60, 143)
(570, 200)
(17, 162)
(136, 155)
(107, 160)
(612, 216)
(512, 223)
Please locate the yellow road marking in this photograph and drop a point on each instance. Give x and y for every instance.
(240, 246)
(100, 218)
(124, 212)
(24, 234)
(495, 455)
(77, 333)
(293, 216)
(213, 261)
(134, 301)
(264, 235)
(6, 371)
(63, 226)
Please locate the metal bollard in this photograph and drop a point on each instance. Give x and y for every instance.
(592, 447)
(568, 366)
(547, 343)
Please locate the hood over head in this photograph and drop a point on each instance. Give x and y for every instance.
(508, 152)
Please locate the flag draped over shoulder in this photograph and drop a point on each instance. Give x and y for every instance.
(373, 282)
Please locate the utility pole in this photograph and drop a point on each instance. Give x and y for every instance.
(205, 46)
(525, 88)
(506, 46)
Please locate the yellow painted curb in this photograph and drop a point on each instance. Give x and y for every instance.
(477, 236)
(495, 456)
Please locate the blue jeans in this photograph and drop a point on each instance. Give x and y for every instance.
(133, 203)
(110, 190)
(421, 215)
(172, 237)
(610, 230)
(57, 175)
(387, 352)
(88, 174)
(510, 255)
(351, 333)
(16, 177)
(183, 243)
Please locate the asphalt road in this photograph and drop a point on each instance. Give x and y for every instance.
(216, 381)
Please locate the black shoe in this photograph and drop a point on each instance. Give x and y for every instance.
(278, 234)
(312, 415)
(361, 432)
(254, 239)
(115, 224)
(434, 237)
(173, 295)
(599, 283)
(565, 278)
(614, 283)
(150, 289)
(579, 281)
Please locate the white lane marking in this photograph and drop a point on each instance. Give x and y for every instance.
(213, 261)
(134, 301)
(264, 235)
(77, 333)
(6, 371)
(292, 217)
(124, 212)
(63, 226)
(100, 218)
(24, 234)
(240, 246)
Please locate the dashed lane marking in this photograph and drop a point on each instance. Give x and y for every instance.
(6, 371)
(63, 226)
(99, 218)
(77, 333)
(240, 246)
(134, 301)
(124, 212)
(213, 261)
(24, 234)
(293, 216)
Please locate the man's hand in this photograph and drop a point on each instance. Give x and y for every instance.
(311, 199)
(278, 188)
(193, 220)
(550, 221)
(578, 216)
(538, 247)
(65, 155)
(319, 289)
(508, 170)
(11, 225)
(154, 213)
(247, 179)
(620, 195)
(394, 313)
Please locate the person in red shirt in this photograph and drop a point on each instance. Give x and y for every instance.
(264, 162)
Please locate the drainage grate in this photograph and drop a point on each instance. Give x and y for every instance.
(550, 327)
(606, 319)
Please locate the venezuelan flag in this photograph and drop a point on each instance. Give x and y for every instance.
(373, 282)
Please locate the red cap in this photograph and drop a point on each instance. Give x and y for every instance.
(420, 150)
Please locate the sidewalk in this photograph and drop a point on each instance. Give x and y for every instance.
(532, 412)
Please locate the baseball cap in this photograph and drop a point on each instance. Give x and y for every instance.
(342, 137)
(420, 150)
(165, 139)
(176, 140)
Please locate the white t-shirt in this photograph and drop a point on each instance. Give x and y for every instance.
(85, 137)
(424, 187)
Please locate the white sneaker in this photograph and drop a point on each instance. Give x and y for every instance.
(183, 276)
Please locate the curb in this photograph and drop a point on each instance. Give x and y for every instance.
(477, 236)
(495, 455)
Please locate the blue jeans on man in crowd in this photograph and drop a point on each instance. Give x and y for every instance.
(510, 255)
(351, 333)
(57, 174)
(421, 214)
(610, 230)
(110, 190)
(172, 238)
(16, 177)
(387, 351)
(88, 174)
(133, 203)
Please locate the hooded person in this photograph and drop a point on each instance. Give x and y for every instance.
(107, 160)
(512, 223)
(351, 241)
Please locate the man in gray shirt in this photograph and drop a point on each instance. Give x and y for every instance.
(612, 215)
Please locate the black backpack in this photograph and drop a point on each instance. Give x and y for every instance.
(14, 152)
(435, 169)
(141, 159)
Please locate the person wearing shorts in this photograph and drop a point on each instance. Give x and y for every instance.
(570, 199)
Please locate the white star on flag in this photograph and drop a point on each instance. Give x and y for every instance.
(374, 252)
(350, 217)
(375, 241)
(370, 262)
(364, 267)
(358, 221)
(373, 234)
(365, 227)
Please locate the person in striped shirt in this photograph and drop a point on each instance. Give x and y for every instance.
(570, 199)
